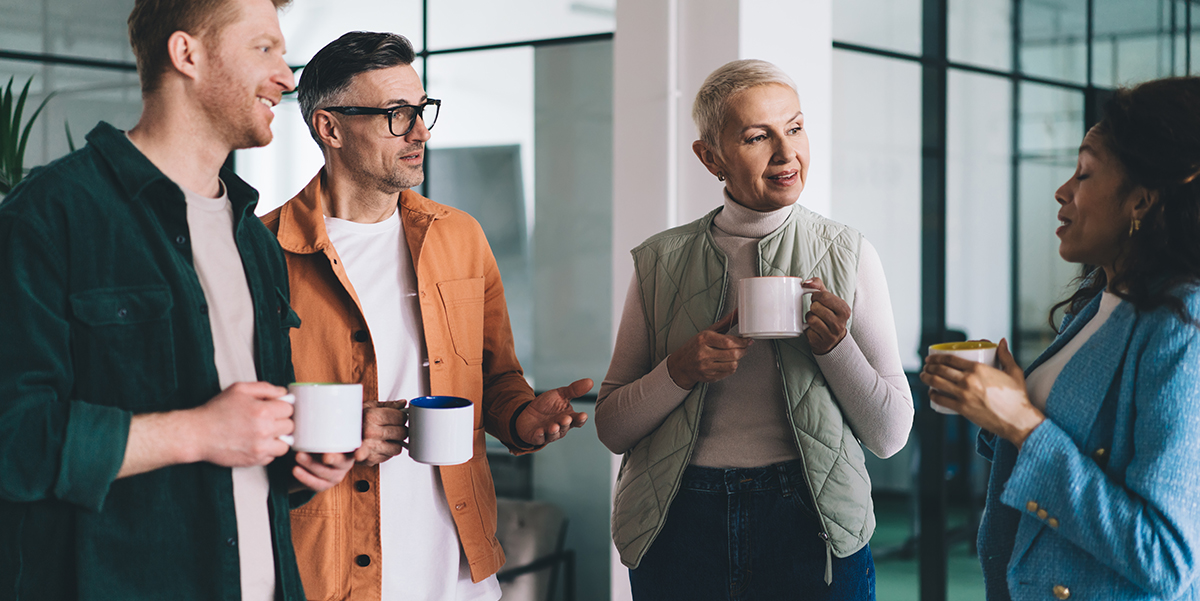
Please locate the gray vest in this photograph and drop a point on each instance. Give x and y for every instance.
(683, 278)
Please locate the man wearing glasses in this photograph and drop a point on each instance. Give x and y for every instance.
(402, 295)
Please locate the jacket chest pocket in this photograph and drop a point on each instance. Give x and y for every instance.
(463, 303)
(122, 346)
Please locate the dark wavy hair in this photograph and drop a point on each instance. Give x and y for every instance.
(332, 68)
(1153, 129)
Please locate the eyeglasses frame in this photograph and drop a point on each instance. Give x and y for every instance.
(390, 112)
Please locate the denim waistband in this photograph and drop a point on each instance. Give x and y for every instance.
(787, 476)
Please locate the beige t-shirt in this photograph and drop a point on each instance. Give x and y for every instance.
(231, 316)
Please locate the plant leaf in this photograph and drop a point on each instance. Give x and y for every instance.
(25, 133)
(6, 147)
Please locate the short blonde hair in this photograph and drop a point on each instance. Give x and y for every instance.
(712, 101)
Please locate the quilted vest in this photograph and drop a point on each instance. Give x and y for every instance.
(683, 279)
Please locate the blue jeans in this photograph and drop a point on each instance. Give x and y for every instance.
(747, 534)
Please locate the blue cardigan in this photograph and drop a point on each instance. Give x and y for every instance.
(1103, 500)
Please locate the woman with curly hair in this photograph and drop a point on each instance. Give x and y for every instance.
(1095, 448)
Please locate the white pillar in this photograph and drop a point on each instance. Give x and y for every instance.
(662, 51)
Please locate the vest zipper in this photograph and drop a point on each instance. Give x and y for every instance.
(828, 557)
(823, 534)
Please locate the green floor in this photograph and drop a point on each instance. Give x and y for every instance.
(896, 578)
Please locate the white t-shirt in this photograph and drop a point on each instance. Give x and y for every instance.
(231, 316)
(1041, 380)
(422, 559)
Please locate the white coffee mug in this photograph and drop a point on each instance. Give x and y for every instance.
(441, 430)
(771, 307)
(328, 417)
(979, 351)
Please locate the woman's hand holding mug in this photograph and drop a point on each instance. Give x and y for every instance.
(994, 399)
(710, 355)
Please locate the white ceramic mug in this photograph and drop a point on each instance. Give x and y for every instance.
(441, 430)
(328, 417)
(771, 307)
(979, 351)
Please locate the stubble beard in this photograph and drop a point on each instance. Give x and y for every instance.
(232, 114)
(403, 177)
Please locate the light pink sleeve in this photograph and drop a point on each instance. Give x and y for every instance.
(635, 396)
(864, 369)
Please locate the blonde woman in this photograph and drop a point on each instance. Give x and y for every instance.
(743, 475)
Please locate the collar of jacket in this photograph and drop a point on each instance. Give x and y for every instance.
(140, 178)
(302, 223)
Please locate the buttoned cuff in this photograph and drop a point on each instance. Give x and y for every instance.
(1035, 485)
(92, 453)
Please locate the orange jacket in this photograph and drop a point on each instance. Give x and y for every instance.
(470, 349)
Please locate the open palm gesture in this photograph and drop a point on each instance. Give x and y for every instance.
(550, 415)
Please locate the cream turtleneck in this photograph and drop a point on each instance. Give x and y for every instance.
(744, 422)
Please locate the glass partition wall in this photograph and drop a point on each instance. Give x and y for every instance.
(959, 119)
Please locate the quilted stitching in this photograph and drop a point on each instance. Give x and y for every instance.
(682, 279)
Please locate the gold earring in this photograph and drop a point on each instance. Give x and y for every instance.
(1134, 225)
(720, 176)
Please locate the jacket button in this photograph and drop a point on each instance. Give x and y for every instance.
(181, 239)
(232, 542)
(361, 336)
(122, 313)
(460, 506)
(1052, 522)
(437, 361)
(1061, 592)
(362, 561)
(1031, 506)
(362, 486)
(204, 309)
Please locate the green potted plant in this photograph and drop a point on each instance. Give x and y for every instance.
(14, 137)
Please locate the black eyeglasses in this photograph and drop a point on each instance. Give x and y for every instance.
(403, 117)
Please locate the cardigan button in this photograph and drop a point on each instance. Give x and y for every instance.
(1031, 506)
(1042, 514)
(1061, 592)
(362, 561)
(1052, 522)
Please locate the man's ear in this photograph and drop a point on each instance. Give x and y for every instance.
(711, 161)
(186, 52)
(328, 129)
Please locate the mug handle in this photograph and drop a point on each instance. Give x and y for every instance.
(804, 291)
(404, 443)
(288, 439)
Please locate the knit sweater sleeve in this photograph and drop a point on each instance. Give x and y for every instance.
(864, 369)
(635, 396)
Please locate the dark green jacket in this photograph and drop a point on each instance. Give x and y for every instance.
(102, 317)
